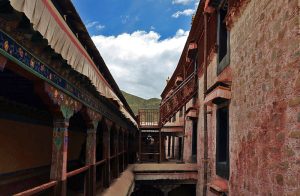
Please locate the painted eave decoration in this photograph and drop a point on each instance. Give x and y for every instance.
(52, 26)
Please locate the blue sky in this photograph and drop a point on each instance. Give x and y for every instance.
(140, 40)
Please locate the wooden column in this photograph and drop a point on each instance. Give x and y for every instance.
(3, 62)
(90, 178)
(173, 147)
(160, 147)
(117, 152)
(92, 119)
(140, 146)
(106, 142)
(62, 107)
(59, 155)
(127, 147)
(163, 151)
(169, 146)
(123, 148)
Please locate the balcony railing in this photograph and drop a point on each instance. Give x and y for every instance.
(148, 118)
(178, 98)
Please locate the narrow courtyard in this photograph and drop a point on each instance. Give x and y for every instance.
(226, 120)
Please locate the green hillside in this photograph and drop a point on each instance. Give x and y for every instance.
(136, 102)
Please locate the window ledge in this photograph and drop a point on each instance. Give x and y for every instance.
(219, 92)
(219, 185)
(192, 112)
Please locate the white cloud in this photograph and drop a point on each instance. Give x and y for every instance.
(124, 19)
(95, 24)
(91, 24)
(140, 62)
(183, 2)
(197, 3)
(186, 12)
(99, 27)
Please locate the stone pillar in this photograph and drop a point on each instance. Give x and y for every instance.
(59, 155)
(187, 147)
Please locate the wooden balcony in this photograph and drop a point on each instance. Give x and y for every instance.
(192, 49)
(148, 118)
(178, 98)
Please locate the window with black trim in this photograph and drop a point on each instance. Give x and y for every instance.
(174, 118)
(222, 140)
(194, 141)
(223, 38)
(181, 112)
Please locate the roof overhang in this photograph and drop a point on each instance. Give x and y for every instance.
(46, 19)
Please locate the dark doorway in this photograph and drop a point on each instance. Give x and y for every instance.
(179, 148)
(184, 190)
(222, 147)
(147, 190)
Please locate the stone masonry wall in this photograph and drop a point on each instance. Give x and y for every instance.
(211, 127)
(264, 116)
(265, 105)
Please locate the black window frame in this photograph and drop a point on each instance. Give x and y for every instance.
(222, 166)
(223, 60)
(181, 112)
(174, 118)
(194, 140)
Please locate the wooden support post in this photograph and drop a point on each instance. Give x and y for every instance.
(140, 146)
(117, 152)
(163, 146)
(127, 148)
(123, 148)
(62, 108)
(106, 148)
(3, 61)
(59, 156)
(90, 179)
(173, 147)
(169, 146)
(160, 147)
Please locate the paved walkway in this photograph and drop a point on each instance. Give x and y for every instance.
(124, 185)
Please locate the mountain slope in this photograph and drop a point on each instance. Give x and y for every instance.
(136, 102)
